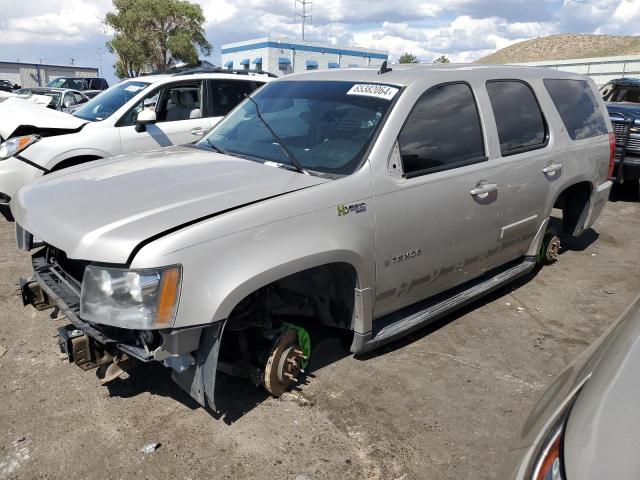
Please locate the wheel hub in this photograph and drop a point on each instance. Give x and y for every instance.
(284, 364)
(553, 250)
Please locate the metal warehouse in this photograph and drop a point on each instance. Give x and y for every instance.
(281, 56)
(38, 74)
(600, 69)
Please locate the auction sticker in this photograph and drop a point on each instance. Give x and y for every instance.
(372, 90)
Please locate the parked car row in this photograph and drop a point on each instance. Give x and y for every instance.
(369, 201)
(62, 99)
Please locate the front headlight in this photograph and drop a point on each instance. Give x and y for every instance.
(136, 299)
(549, 465)
(15, 145)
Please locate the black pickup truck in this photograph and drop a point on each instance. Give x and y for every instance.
(622, 97)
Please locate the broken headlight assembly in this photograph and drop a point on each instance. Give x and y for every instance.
(15, 145)
(136, 299)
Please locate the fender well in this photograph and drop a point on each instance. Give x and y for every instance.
(574, 201)
(324, 292)
(73, 161)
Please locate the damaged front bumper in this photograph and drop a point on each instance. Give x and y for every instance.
(191, 353)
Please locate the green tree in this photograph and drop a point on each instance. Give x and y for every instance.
(441, 59)
(408, 58)
(155, 34)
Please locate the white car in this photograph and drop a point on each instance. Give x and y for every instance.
(140, 114)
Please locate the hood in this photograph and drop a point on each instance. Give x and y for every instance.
(628, 109)
(102, 212)
(20, 116)
(601, 439)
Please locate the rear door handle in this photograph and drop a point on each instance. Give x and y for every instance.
(483, 189)
(198, 131)
(552, 168)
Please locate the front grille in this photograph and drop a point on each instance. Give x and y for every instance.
(621, 131)
(634, 143)
(70, 267)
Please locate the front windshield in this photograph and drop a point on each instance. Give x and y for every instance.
(74, 83)
(327, 126)
(621, 93)
(109, 101)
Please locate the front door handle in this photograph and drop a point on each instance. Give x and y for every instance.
(198, 131)
(483, 189)
(552, 168)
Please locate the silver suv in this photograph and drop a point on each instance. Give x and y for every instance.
(369, 201)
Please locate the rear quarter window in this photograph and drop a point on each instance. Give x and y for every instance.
(578, 107)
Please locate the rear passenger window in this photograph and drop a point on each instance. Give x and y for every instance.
(227, 94)
(578, 107)
(521, 126)
(442, 131)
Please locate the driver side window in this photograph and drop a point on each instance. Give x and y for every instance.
(175, 102)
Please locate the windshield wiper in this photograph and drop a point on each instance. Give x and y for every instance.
(216, 148)
(292, 158)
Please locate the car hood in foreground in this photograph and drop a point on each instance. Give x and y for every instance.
(102, 212)
(601, 435)
(19, 116)
(603, 432)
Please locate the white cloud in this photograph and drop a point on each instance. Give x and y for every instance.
(624, 21)
(74, 21)
(461, 29)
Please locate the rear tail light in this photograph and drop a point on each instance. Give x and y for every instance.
(612, 153)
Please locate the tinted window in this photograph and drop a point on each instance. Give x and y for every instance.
(442, 131)
(227, 94)
(578, 108)
(518, 117)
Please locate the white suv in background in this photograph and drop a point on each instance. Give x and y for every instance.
(139, 114)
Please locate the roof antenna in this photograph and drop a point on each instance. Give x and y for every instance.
(384, 69)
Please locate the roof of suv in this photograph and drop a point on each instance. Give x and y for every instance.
(405, 74)
(251, 75)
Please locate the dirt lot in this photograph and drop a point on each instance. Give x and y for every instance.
(441, 404)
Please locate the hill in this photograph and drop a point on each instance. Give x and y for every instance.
(562, 47)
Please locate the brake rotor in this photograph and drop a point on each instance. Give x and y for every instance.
(284, 364)
(553, 250)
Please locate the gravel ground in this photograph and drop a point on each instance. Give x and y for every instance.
(442, 404)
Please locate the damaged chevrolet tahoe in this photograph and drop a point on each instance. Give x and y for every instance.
(369, 201)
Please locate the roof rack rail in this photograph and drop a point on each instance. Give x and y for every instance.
(224, 70)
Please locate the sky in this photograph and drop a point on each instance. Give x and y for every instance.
(464, 30)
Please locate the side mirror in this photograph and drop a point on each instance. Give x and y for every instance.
(16, 86)
(145, 117)
(195, 113)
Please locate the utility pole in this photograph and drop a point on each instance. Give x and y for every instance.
(305, 14)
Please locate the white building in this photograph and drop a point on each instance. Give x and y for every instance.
(39, 74)
(281, 56)
(600, 69)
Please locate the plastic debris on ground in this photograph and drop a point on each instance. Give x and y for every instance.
(150, 448)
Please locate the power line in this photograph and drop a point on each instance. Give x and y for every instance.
(305, 14)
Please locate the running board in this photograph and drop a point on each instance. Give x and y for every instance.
(397, 326)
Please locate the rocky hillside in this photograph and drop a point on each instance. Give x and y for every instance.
(562, 47)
